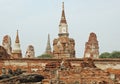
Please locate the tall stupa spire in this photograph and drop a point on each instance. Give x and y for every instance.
(63, 46)
(16, 52)
(63, 19)
(48, 47)
(17, 38)
(63, 27)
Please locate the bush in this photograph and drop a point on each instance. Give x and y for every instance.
(114, 54)
(45, 56)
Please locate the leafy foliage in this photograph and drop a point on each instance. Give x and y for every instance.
(105, 55)
(45, 56)
(114, 54)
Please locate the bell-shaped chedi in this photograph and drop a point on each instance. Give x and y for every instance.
(16, 52)
(6, 43)
(30, 53)
(63, 46)
(92, 47)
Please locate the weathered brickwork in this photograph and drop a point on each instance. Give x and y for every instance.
(73, 66)
(92, 47)
(63, 46)
(30, 53)
(6, 43)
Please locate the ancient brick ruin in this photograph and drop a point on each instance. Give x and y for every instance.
(48, 47)
(64, 67)
(92, 47)
(3, 53)
(7, 44)
(16, 51)
(63, 46)
(30, 53)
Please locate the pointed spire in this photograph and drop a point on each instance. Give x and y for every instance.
(17, 38)
(48, 47)
(63, 19)
(16, 52)
(62, 5)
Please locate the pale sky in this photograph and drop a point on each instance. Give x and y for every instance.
(36, 18)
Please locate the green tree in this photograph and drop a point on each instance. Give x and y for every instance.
(115, 54)
(45, 56)
(105, 55)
